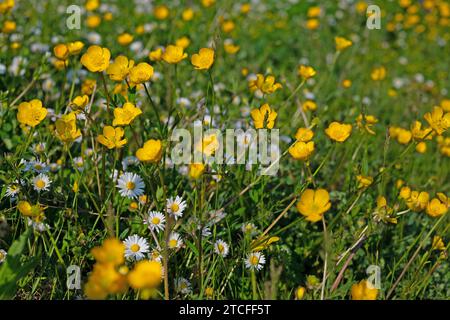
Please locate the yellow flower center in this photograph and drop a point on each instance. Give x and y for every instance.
(2, 256)
(220, 248)
(130, 185)
(38, 166)
(40, 183)
(173, 243)
(254, 260)
(175, 207)
(135, 247)
(156, 220)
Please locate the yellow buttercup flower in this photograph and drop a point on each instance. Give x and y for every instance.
(6, 6)
(196, 170)
(301, 150)
(75, 47)
(104, 280)
(66, 128)
(264, 117)
(120, 68)
(88, 85)
(306, 72)
(187, 14)
(437, 120)
(112, 251)
(161, 12)
(125, 39)
(417, 201)
(314, 12)
(145, 275)
(230, 47)
(96, 59)
(204, 59)
(265, 84)
(156, 55)
(228, 26)
(338, 131)
(309, 105)
(300, 293)
(141, 73)
(35, 211)
(312, 24)
(93, 21)
(80, 102)
(112, 137)
(418, 133)
(341, 43)
(173, 54)
(125, 115)
(92, 5)
(208, 3)
(31, 113)
(445, 105)
(378, 74)
(405, 192)
(366, 122)
(421, 147)
(364, 181)
(61, 51)
(209, 144)
(183, 42)
(9, 26)
(436, 208)
(304, 134)
(438, 243)
(313, 204)
(364, 291)
(150, 152)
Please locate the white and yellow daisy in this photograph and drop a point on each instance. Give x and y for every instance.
(249, 228)
(38, 147)
(175, 241)
(12, 190)
(41, 182)
(3, 255)
(183, 286)
(176, 207)
(155, 255)
(78, 163)
(255, 261)
(130, 185)
(36, 166)
(135, 247)
(155, 221)
(221, 248)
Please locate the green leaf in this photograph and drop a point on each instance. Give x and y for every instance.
(13, 269)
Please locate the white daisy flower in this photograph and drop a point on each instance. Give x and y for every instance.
(176, 207)
(155, 221)
(89, 152)
(36, 166)
(38, 147)
(221, 248)
(155, 255)
(54, 167)
(183, 286)
(216, 215)
(135, 247)
(175, 241)
(3, 255)
(249, 228)
(255, 261)
(41, 182)
(12, 190)
(78, 163)
(130, 185)
(129, 161)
